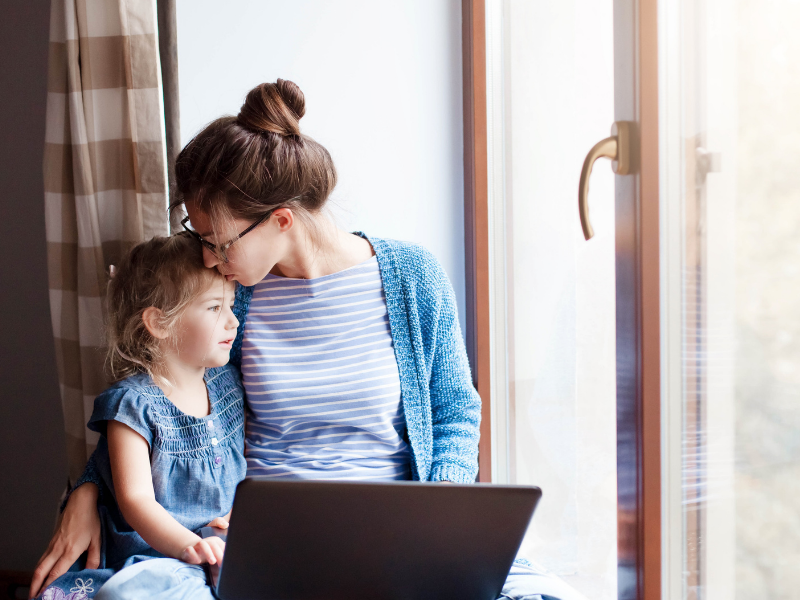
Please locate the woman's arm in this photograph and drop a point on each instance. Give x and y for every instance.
(78, 531)
(133, 485)
(91, 474)
(455, 404)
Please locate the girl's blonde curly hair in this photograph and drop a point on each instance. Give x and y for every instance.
(166, 273)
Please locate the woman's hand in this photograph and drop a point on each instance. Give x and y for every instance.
(209, 550)
(78, 531)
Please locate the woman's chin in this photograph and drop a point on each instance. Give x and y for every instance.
(245, 280)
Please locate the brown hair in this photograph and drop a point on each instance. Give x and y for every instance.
(165, 272)
(247, 165)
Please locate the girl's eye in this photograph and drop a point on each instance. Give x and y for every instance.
(214, 308)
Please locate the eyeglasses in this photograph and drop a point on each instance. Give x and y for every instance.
(220, 252)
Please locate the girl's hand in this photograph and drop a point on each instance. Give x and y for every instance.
(78, 531)
(221, 522)
(209, 550)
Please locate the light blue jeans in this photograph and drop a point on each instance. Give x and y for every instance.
(170, 579)
(158, 579)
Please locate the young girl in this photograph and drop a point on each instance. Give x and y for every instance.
(171, 446)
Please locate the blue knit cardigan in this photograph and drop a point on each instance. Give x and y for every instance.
(442, 408)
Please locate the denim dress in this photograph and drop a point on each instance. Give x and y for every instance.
(196, 463)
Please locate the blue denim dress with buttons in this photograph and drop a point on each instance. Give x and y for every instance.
(196, 463)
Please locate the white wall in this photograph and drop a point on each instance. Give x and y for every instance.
(382, 82)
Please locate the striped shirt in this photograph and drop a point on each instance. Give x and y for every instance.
(322, 382)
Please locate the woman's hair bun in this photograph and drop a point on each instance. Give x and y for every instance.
(273, 107)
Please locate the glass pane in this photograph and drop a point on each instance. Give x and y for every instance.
(731, 92)
(555, 102)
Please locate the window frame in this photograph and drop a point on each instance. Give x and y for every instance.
(639, 388)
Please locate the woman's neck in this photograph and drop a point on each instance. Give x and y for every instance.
(187, 387)
(329, 251)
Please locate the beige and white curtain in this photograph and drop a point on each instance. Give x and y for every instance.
(105, 181)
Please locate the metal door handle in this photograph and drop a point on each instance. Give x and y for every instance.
(618, 149)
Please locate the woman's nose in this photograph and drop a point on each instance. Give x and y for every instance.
(209, 259)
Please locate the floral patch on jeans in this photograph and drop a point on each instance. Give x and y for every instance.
(80, 591)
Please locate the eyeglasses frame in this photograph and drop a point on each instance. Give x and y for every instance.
(220, 251)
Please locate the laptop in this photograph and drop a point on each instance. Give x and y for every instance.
(333, 540)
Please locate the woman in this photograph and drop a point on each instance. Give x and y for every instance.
(350, 348)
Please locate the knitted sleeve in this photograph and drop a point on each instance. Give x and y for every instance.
(90, 474)
(241, 305)
(455, 404)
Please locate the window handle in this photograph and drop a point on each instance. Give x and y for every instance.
(618, 149)
(707, 162)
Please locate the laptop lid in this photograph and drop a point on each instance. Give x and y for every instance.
(314, 540)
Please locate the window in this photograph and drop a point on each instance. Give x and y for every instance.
(731, 202)
(550, 96)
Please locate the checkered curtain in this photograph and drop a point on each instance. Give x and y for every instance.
(105, 181)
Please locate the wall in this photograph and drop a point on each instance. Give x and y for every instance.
(32, 441)
(383, 91)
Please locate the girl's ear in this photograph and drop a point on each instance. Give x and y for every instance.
(152, 321)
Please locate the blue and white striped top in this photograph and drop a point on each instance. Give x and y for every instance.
(322, 381)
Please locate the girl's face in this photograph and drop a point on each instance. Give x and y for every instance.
(207, 328)
(251, 257)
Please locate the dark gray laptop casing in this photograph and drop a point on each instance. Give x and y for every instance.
(317, 540)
